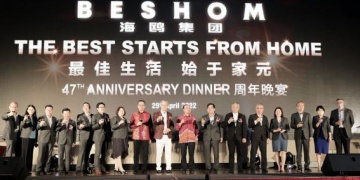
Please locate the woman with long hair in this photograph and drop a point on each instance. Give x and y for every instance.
(28, 135)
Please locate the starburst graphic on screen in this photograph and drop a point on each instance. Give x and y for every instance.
(277, 63)
(52, 66)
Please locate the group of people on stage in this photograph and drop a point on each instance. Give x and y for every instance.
(31, 131)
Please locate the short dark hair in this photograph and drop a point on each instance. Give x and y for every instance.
(282, 112)
(141, 101)
(50, 106)
(118, 109)
(99, 103)
(320, 107)
(338, 99)
(65, 109)
(210, 104)
(185, 105)
(87, 104)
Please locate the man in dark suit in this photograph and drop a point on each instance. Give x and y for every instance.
(46, 139)
(85, 138)
(235, 127)
(66, 137)
(302, 123)
(163, 125)
(342, 119)
(259, 124)
(213, 133)
(100, 123)
(11, 130)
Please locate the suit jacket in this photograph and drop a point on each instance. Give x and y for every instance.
(101, 132)
(307, 125)
(46, 133)
(212, 132)
(240, 131)
(348, 121)
(26, 127)
(12, 126)
(66, 133)
(119, 131)
(85, 133)
(284, 124)
(325, 126)
(159, 126)
(259, 131)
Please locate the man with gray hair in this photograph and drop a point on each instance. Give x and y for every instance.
(163, 125)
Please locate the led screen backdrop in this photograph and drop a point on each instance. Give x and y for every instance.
(274, 52)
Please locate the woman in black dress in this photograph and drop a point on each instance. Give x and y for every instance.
(119, 126)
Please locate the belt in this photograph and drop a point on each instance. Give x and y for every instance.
(164, 133)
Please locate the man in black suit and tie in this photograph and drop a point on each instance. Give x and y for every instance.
(259, 124)
(66, 129)
(212, 130)
(302, 123)
(100, 123)
(11, 130)
(46, 139)
(85, 138)
(236, 134)
(342, 119)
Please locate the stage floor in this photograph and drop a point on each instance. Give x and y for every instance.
(199, 174)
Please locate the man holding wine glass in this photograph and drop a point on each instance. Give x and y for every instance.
(301, 122)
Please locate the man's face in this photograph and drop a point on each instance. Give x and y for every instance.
(86, 108)
(101, 108)
(211, 109)
(13, 107)
(300, 107)
(66, 114)
(164, 106)
(141, 106)
(340, 103)
(235, 108)
(48, 111)
(187, 109)
(259, 109)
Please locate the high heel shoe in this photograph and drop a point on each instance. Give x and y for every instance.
(123, 172)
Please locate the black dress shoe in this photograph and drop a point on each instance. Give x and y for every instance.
(252, 171)
(208, 171)
(47, 173)
(299, 170)
(66, 172)
(191, 171)
(231, 172)
(183, 172)
(144, 172)
(37, 173)
(240, 171)
(61, 172)
(307, 170)
(168, 171)
(264, 171)
(136, 172)
(215, 171)
(78, 172)
(158, 171)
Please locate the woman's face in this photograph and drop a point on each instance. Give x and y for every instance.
(278, 113)
(31, 110)
(121, 112)
(320, 112)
